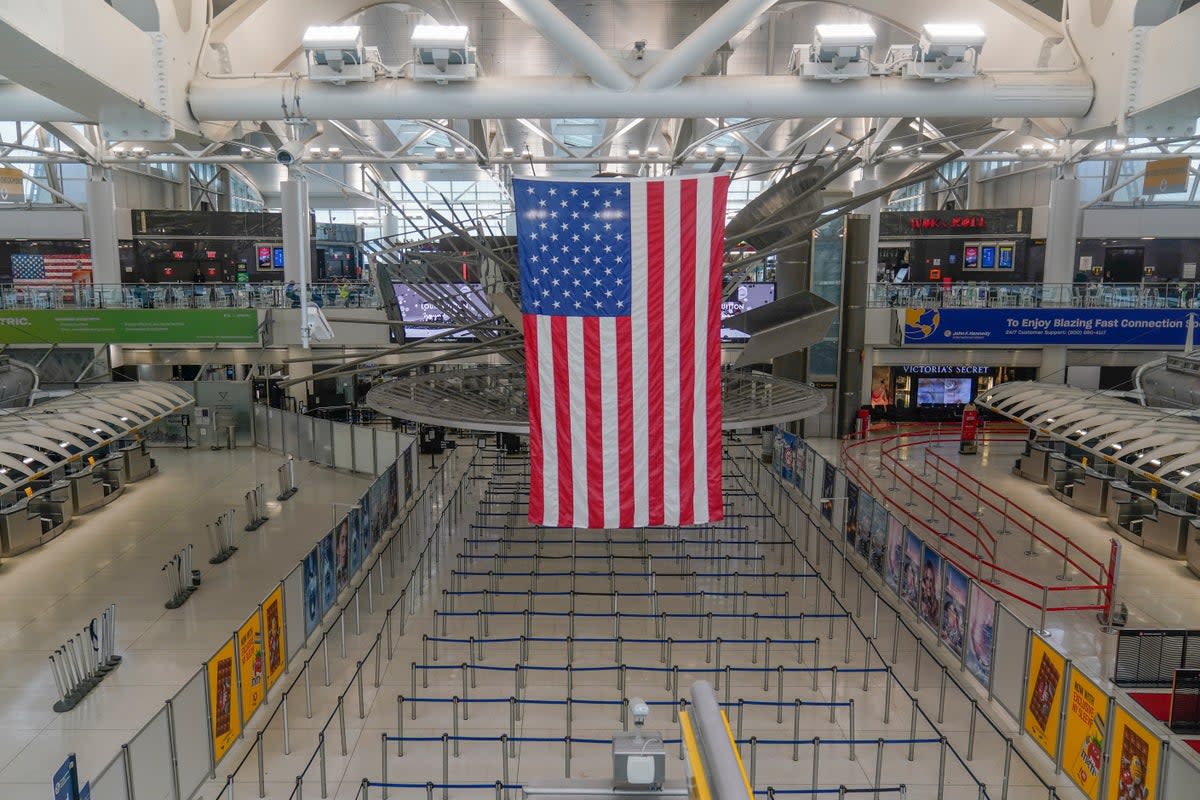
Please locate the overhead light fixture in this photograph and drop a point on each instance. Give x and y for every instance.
(895, 148)
(1048, 148)
(315, 152)
(633, 152)
(335, 54)
(460, 152)
(507, 152)
(1118, 146)
(720, 152)
(838, 52)
(941, 52)
(247, 152)
(27, 460)
(829, 148)
(442, 53)
(702, 152)
(139, 152)
(120, 151)
(439, 152)
(334, 152)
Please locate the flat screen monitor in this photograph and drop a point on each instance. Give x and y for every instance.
(987, 256)
(748, 296)
(277, 257)
(415, 307)
(949, 391)
(1006, 256)
(970, 256)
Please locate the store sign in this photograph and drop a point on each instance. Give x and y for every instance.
(994, 221)
(129, 326)
(939, 369)
(956, 222)
(12, 185)
(1166, 176)
(1135, 327)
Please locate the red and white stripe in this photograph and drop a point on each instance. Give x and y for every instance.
(625, 412)
(58, 269)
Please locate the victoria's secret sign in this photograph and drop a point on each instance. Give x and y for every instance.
(992, 221)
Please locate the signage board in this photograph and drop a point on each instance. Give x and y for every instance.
(66, 780)
(128, 326)
(12, 185)
(1083, 327)
(1166, 176)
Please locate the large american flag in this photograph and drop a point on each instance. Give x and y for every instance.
(38, 270)
(621, 294)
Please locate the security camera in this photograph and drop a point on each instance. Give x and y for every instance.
(292, 151)
(285, 155)
(640, 710)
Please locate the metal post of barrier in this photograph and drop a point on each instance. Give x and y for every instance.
(912, 730)
(833, 686)
(941, 791)
(1042, 618)
(816, 765)
(262, 777)
(850, 708)
(887, 696)
(942, 697)
(321, 757)
(971, 730)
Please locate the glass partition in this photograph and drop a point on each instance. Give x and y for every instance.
(190, 715)
(150, 759)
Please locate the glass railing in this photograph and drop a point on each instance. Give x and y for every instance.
(187, 295)
(1034, 295)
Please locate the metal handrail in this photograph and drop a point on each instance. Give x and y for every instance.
(987, 294)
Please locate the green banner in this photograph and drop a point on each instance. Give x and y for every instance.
(129, 326)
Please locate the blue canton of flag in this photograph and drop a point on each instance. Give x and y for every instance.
(28, 267)
(575, 246)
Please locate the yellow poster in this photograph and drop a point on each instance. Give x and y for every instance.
(222, 701)
(1043, 698)
(276, 637)
(250, 660)
(1083, 739)
(1133, 760)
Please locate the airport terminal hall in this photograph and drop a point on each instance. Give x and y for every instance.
(599, 400)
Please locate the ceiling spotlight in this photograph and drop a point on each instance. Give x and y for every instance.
(895, 148)
(315, 152)
(1118, 145)
(247, 152)
(1048, 148)
(119, 151)
(941, 53)
(460, 152)
(829, 148)
(507, 152)
(720, 152)
(525, 153)
(335, 54)
(838, 52)
(702, 152)
(442, 53)
(652, 152)
(139, 152)
(334, 152)
(439, 152)
(635, 153)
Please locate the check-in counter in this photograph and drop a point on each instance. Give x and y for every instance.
(53, 506)
(20, 528)
(1193, 546)
(88, 488)
(1150, 522)
(1078, 485)
(138, 463)
(1033, 463)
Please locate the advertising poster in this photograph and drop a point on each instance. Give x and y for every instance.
(895, 553)
(954, 608)
(910, 581)
(788, 471)
(777, 452)
(801, 465)
(377, 499)
(358, 535)
(931, 587)
(866, 513)
(1043, 702)
(828, 479)
(1134, 755)
(312, 594)
(366, 512)
(341, 552)
(276, 635)
(328, 579)
(393, 494)
(980, 633)
(1083, 737)
(879, 533)
(222, 701)
(851, 513)
(252, 661)
(129, 326)
(408, 473)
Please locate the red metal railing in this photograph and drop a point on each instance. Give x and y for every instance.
(980, 558)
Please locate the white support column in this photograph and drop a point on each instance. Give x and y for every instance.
(297, 240)
(869, 183)
(1062, 233)
(102, 227)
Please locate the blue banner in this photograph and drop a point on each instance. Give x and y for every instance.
(1083, 327)
(787, 470)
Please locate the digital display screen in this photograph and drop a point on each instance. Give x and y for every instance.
(748, 296)
(264, 257)
(951, 391)
(970, 256)
(277, 257)
(414, 307)
(1006, 256)
(987, 256)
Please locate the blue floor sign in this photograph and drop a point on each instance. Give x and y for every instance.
(66, 780)
(1086, 327)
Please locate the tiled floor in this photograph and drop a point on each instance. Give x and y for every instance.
(114, 555)
(544, 762)
(98, 562)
